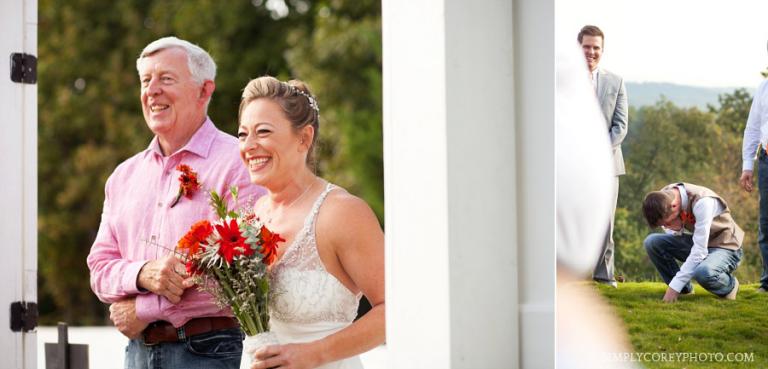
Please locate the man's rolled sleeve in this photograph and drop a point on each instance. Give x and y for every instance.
(752, 130)
(148, 307)
(131, 277)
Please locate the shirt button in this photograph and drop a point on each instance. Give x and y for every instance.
(159, 204)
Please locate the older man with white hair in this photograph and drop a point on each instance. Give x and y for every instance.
(132, 263)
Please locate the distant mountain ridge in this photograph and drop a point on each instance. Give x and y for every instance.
(649, 93)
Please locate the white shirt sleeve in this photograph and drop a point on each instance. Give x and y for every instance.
(704, 211)
(753, 129)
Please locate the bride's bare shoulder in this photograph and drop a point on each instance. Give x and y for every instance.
(346, 213)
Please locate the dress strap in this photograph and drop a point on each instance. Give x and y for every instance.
(310, 219)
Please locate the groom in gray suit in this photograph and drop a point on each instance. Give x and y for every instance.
(612, 97)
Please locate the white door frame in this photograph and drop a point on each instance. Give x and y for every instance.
(18, 196)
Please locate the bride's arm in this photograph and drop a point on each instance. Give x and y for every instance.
(354, 233)
(351, 244)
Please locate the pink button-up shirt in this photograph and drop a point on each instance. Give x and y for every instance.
(138, 224)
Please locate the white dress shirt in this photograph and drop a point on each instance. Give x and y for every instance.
(756, 131)
(706, 209)
(593, 78)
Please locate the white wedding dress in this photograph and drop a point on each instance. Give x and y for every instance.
(306, 302)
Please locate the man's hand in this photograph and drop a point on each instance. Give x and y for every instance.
(671, 295)
(123, 315)
(746, 180)
(165, 277)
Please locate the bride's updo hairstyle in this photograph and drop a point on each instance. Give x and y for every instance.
(294, 97)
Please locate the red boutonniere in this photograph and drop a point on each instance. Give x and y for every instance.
(188, 183)
(687, 217)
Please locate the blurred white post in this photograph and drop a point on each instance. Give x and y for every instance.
(18, 196)
(534, 28)
(469, 183)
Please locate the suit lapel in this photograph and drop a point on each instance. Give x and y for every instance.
(601, 85)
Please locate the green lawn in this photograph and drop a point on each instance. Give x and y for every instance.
(701, 323)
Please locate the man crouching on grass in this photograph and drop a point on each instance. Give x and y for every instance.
(700, 232)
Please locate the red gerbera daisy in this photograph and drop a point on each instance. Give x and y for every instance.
(232, 241)
(269, 242)
(190, 243)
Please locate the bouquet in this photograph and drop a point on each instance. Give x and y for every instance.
(229, 258)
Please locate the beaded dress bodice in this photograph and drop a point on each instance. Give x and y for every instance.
(301, 290)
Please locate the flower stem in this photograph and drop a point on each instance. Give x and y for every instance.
(243, 317)
(178, 197)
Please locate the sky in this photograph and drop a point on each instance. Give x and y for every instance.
(711, 43)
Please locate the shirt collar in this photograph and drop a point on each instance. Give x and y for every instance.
(199, 144)
(683, 196)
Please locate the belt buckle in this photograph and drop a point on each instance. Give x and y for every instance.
(145, 334)
(144, 338)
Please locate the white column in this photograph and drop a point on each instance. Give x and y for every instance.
(18, 165)
(535, 117)
(415, 185)
(465, 166)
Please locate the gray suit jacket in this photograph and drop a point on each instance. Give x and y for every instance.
(612, 96)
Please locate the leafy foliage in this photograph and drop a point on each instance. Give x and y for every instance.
(340, 58)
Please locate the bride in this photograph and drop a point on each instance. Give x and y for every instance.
(334, 249)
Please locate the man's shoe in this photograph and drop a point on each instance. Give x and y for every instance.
(691, 292)
(761, 290)
(732, 295)
(613, 284)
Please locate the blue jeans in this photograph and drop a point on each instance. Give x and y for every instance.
(762, 234)
(714, 273)
(215, 350)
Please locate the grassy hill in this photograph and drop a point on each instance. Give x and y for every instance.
(648, 93)
(699, 323)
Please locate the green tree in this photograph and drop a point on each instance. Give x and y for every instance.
(340, 57)
(731, 118)
(666, 143)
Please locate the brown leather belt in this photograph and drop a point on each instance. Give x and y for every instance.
(162, 331)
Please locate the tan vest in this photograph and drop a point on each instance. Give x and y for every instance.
(724, 233)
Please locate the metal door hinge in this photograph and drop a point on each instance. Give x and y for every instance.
(23, 68)
(23, 316)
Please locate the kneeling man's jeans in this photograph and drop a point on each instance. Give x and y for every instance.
(714, 273)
